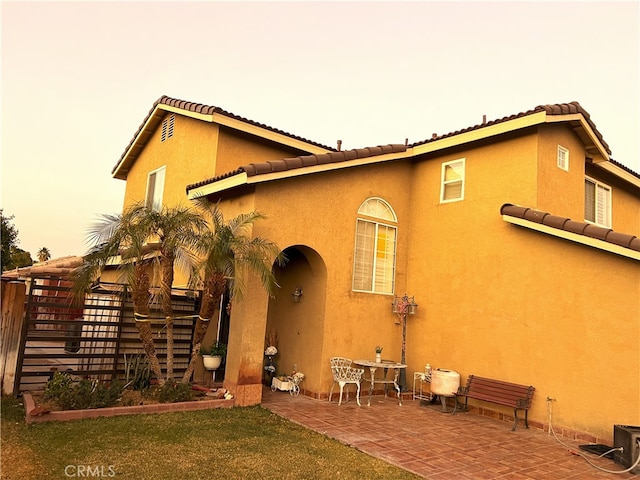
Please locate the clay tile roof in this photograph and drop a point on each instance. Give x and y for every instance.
(552, 109)
(207, 110)
(625, 168)
(271, 166)
(581, 228)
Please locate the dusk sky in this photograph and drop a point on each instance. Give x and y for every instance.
(78, 78)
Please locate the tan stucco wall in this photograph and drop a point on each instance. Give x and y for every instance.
(560, 191)
(236, 148)
(189, 157)
(495, 299)
(197, 151)
(320, 213)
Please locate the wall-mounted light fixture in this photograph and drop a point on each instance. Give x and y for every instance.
(296, 295)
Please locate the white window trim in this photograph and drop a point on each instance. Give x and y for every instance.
(375, 259)
(377, 222)
(444, 182)
(379, 201)
(597, 184)
(562, 158)
(157, 202)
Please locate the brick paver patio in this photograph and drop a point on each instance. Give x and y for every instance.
(422, 439)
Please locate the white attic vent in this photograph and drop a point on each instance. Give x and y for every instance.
(167, 128)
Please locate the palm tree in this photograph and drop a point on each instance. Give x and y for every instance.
(227, 250)
(44, 254)
(131, 235)
(178, 230)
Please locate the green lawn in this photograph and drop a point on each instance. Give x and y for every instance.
(236, 443)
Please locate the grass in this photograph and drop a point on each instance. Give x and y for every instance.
(236, 443)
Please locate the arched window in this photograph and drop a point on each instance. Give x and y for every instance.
(374, 262)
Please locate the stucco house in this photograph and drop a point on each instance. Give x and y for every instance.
(517, 237)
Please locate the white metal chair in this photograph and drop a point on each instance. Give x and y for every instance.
(344, 373)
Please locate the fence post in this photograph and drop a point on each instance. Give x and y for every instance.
(13, 297)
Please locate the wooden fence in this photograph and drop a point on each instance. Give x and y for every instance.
(13, 302)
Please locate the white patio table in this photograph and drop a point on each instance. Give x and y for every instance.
(386, 364)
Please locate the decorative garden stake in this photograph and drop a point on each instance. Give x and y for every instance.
(403, 306)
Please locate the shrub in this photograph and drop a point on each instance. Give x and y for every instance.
(84, 394)
(172, 392)
(57, 385)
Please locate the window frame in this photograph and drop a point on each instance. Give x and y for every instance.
(562, 164)
(444, 183)
(150, 199)
(608, 220)
(377, 223)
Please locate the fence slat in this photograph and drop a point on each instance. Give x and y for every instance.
(13, 296)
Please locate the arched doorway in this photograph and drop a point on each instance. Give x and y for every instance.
(299, 325)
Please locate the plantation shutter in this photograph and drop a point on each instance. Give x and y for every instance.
(363, 262)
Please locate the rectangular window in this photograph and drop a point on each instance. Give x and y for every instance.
(167, 128)
(597, 203)
(375, 257)
(452, 187)
(563, 158)
(155, 189)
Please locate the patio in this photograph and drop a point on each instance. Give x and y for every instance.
(436, 445)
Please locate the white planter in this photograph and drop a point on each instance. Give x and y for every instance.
(212, 362)
(445, 383)
(277, 384)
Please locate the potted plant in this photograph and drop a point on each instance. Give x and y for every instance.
(213, 356)
(378, 353)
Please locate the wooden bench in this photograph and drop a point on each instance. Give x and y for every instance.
(508, 394)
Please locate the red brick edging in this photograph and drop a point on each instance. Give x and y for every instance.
(34, 416)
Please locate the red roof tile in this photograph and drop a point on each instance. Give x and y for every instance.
(580, 228)
(272, 166)
(553, 109)
(207, 110)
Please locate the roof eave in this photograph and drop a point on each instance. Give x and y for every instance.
(594, 147)
(137, 145)
(620, 172)
(242, 178)
(155, 117)
(573, 237)
(219, 186)
(326, 167)
(276, 137)
(480, 133)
